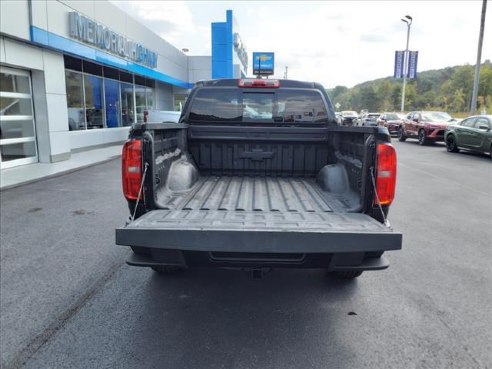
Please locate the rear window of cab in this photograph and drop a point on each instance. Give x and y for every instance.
(267, 106)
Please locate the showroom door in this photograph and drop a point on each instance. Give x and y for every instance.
(17, 132)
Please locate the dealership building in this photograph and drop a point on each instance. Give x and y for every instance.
(74, 75)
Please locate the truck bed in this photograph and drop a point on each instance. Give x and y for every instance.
(258, 194)
(253, 214)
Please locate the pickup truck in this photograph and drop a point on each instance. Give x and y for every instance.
(258, 175)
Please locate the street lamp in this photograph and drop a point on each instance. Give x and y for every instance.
(408, 20)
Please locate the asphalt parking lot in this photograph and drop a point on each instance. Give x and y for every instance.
(68, 300)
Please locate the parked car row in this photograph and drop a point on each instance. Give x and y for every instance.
(472, 134)
(352, 118)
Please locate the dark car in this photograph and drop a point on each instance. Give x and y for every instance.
(473, 133)
(425, 126)
(392, 121)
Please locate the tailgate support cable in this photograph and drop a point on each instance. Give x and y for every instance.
(139, 192)
(376, 194)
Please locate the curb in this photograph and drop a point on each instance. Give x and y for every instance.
(59, 174)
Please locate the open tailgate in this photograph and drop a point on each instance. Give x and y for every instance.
(250, 231)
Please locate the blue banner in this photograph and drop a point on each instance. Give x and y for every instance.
(412, 64)
(263, 63)
(398, 72)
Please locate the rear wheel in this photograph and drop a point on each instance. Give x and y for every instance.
(422, 138)
(451, 145)
(346, 274)
(401, 134)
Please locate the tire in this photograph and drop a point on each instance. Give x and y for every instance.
(451, 145)
(490, 151)
(347, 274)
(168, 270)
(422, 138)
(401, 134)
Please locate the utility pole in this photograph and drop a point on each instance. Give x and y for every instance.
(406, 56)
(286, 72)
(476, 82)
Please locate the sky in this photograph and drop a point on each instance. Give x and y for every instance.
(333, 42)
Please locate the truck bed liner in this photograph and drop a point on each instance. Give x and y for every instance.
(262, 194)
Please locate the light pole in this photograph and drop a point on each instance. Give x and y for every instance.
(476, 81)
(408, 20)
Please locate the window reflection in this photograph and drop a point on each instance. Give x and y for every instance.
(127, 108)
(140, 100)
(75, 101)
(105, 102)
(94, 111)
(17, 134)
(112, 98)
(14, 83)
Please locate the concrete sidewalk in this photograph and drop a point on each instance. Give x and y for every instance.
(13, 177)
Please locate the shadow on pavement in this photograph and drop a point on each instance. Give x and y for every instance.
(220, 318)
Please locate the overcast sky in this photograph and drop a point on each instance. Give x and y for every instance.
(333, 42)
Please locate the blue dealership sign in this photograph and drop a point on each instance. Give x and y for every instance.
(263, 63)
(412, 64)
(398, 73)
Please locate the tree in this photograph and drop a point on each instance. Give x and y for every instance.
(458, 100)
(485, 84)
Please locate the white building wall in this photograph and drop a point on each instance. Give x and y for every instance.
(14, 19)
(164, 97)
(80, 140)
(199, 68)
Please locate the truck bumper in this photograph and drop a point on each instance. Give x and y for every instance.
(334, 262)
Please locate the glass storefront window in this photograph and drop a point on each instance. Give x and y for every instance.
(140, 100)
(179, 101)
(150, 98)
(99, 97)
(18, 151)
(94, 111)
(112, 98)
(127, 108)
(14, 83)
(15, 106)
(75, 101)
(17, 132)
(16, 129)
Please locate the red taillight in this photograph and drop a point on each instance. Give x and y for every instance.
(131, 168)
(259, 83)
(385, 174)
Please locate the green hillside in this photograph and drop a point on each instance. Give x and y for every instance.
(448, 89)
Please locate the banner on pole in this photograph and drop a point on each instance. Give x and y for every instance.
(412, 64)
(398, 72)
